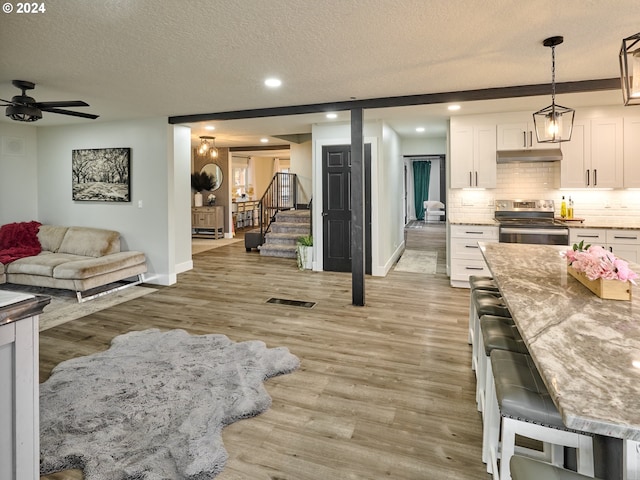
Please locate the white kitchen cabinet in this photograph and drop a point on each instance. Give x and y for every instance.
(594, 156)
(624, 244)
(631, 152)
(518, 136)
(473, 156)
(466, 257)
(590, 236)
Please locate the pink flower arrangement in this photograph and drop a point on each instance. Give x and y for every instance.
(597, 262)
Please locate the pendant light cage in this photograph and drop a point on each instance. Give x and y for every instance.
(208, 147)
(630, 69)
(554, 124)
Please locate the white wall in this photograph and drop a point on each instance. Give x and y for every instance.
(302, 166)
(144, 222)
(18, 172)
(424, 146)
(181, 163)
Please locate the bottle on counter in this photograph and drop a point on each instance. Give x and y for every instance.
(570, 209)
(563, 208)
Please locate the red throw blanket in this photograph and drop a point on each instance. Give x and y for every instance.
(18, 240)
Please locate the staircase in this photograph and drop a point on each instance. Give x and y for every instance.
(281, 239)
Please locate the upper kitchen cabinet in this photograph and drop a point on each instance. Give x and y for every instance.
(473, 156)
(518, 136)
(593, 158)
(631, 152)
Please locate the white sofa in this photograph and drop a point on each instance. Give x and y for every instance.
(75, 258)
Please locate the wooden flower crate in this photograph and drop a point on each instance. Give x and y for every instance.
(608, 289)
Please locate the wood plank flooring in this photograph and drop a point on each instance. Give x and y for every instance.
(384, 391)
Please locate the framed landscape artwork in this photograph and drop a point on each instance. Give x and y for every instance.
(101, 174)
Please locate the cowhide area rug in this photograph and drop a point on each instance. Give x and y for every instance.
(153, 405)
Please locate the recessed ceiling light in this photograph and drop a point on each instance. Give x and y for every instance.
(420, 129)
(264, 140)
(273, 82)
(209, 127)
(453, 107)
(332, 115)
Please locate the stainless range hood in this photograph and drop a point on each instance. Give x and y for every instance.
(546, 155)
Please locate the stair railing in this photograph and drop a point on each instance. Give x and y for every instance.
(281, 194)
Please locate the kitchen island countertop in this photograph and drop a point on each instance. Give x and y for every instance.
(587, 349)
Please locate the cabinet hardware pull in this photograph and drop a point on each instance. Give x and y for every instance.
(470, 179)
(474, 268)
(474, 233)
(625, 238)
(587, 178)
(471, 246)
(476, 178)
(530, 138)
(587, 236)
(524, 139)
(595, 177)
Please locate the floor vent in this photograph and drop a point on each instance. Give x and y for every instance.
(293, 303)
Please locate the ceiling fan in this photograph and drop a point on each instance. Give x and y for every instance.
(23, 108)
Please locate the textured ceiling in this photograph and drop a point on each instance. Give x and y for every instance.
(148, 58)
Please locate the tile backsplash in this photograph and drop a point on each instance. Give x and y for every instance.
(529, 180)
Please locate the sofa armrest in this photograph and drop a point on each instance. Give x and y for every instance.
(81, 269)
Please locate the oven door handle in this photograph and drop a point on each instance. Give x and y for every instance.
(535, 231)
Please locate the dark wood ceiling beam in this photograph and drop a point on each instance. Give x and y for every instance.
(408, 100)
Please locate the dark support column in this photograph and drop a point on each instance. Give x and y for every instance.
(357, 208)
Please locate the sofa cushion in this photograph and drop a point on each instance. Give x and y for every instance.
(42, 264)
(91, 267)
(90, 242)
(51, 236)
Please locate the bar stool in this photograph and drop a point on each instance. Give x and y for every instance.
(519, 404)
(479, 282)
(483, 303)
(523, 468)
(495, 333)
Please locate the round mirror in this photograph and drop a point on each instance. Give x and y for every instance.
(216, 172)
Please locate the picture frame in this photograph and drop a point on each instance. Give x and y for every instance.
(101, 175)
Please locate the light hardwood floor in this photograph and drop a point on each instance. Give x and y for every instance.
(384, 391)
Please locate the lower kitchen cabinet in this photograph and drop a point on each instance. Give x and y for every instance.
(623, 243)
(466, 257)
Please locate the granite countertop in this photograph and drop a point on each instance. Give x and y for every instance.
(587, 349)
(613, 224)
(474, 221)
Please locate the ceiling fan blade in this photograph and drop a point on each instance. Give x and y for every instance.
(69, 103)
(8, 101)
(69, 112)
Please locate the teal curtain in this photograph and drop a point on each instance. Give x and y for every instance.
(421, 175)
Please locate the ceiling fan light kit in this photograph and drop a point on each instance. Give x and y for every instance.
(554, 124)
(23, 108)
(630, 69)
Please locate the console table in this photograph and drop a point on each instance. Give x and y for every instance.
(208, 222)
(20, 392)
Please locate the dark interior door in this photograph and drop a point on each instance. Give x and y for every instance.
(336, 208)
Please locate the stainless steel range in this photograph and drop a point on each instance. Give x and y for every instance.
(530, 221)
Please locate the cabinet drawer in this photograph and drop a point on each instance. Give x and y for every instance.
(478, 232)
(589, 235)
(624, 237)
(465, 248)
(461, 270)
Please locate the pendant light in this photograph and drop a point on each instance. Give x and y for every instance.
(630, 69)
(554, 123)
(208, 148)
